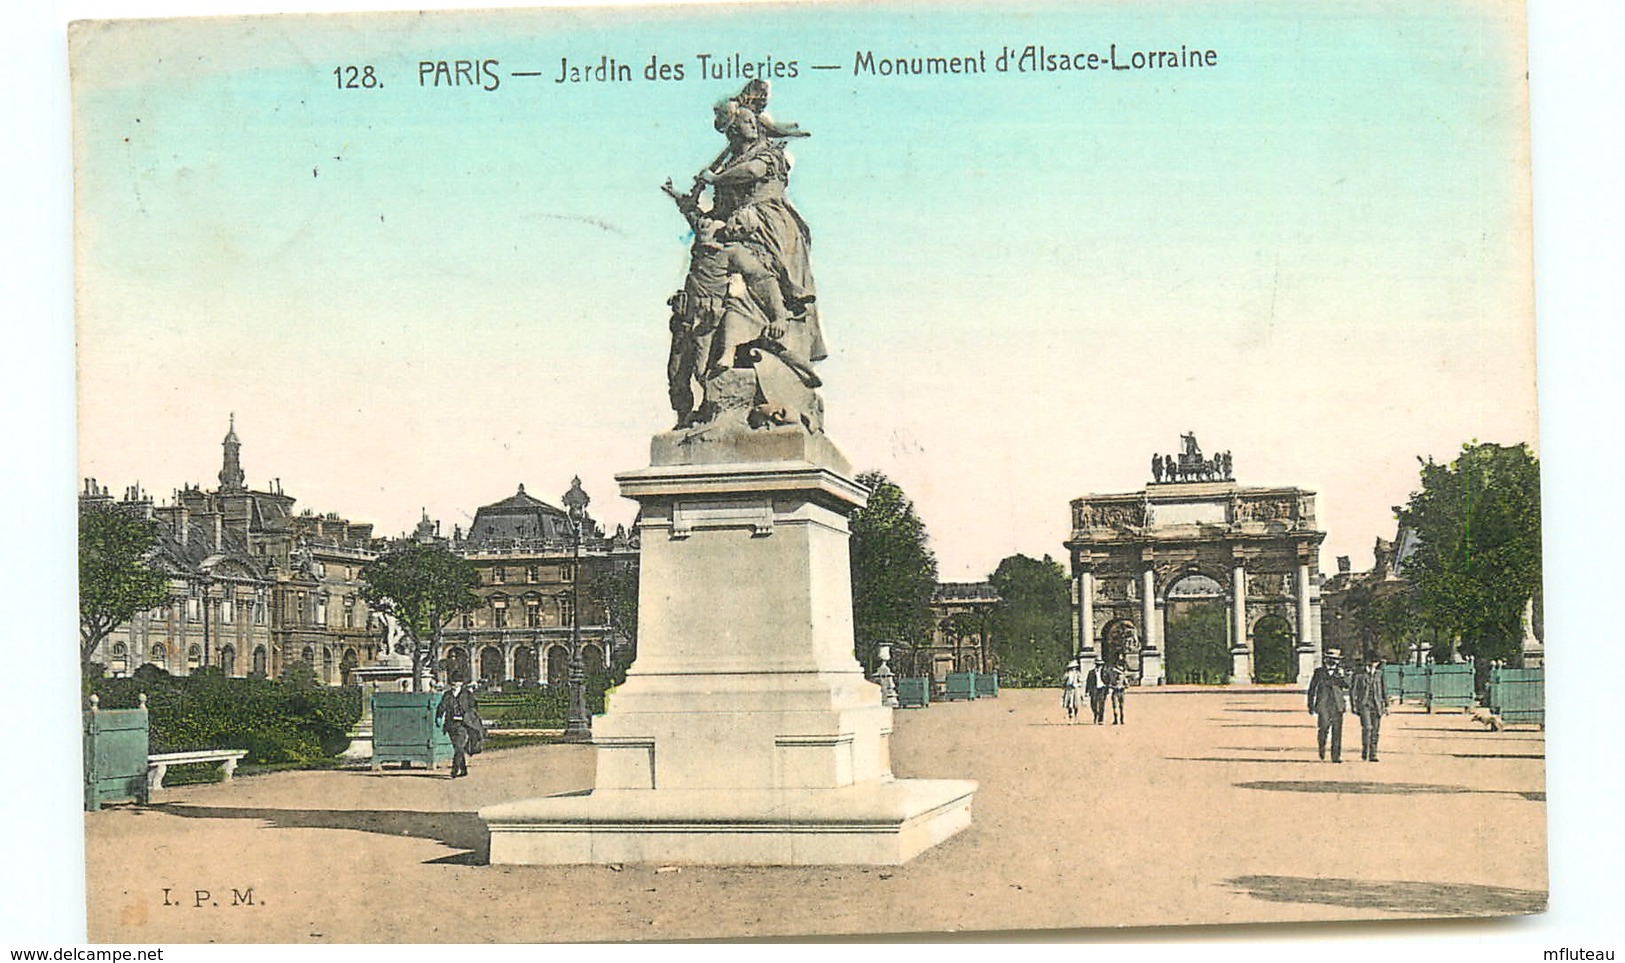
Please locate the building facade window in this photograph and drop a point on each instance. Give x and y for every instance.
(499, 613)
(567, 610)
(533, 613)
(534, 573)
(349, 611)
(499, 575)
(567, 573)
(228, 609)
(321, 609)
(194, 609)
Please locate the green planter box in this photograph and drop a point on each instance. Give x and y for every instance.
(404, 730)
(115, 755)
(1450, 685)
(987, 685)
(1413, 683)
(913, 693)
(1518, 696)
(960, 685)
(1391, 680)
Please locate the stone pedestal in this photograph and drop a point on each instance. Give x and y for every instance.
(1241, 667)
(745, 732)
(1308, 662)
(1150, 667)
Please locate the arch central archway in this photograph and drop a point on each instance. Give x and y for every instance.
(1274, 661)
(1197, 649)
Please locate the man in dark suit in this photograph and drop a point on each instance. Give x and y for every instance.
(1095, 688)
(460, 717)
(1368, 697)
(1328, 692)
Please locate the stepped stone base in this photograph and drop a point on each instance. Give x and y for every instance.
(882, 823)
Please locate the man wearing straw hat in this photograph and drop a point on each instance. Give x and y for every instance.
(1328, 691)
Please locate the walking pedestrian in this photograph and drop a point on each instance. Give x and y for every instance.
(459, 714)
(1117, 680)
(1328, 700)
(1095, 687)
(1368, 697)
(1071, 683)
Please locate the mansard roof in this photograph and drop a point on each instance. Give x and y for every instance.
(197, 553)
(519, 517)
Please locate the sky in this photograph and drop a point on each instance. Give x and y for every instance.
(1314, 254)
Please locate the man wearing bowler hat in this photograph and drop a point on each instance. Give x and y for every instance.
(460, 716)
(1368, 698)
(1328, 700)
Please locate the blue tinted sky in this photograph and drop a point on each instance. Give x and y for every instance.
(1314, 254)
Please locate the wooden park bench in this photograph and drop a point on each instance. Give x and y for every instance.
(159, 763)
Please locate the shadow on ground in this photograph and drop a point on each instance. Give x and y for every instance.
(1394, 896)
(1295, 762)
(1380, 788)
(462, 831)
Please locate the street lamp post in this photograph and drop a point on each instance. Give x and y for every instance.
(578, 724)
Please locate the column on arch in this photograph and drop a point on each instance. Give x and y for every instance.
(1308, 655)
(1241, 672)
(1084, 627)
(1151, 668)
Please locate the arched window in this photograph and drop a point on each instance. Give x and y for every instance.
(121, 659)
(327, 665)
(194, 657)
(259, 660)
(159, 656)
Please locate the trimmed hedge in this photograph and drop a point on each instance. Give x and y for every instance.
(540, 707)
(274, 721)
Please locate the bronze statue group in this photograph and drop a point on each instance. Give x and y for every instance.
(1105, 681)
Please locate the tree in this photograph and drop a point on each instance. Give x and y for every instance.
(614, 588)
(1387, 619)
(424, 587)
(894, 572)
(1477, 561)
(115, 581)
(1032, 619)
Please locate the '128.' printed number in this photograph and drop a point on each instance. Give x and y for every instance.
(357, 78)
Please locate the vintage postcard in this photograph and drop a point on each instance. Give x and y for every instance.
(820, 469)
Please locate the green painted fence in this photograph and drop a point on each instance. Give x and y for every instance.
(1413, 683)
(1450, 685)
(987, 685)
(1518, 696)
(1391, 680)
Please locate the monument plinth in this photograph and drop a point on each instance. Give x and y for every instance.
(745, 732)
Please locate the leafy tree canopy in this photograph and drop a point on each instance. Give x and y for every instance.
(425, 587)
(1032, 619)
(115, 581)
(894, 572)
(1478, 557)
